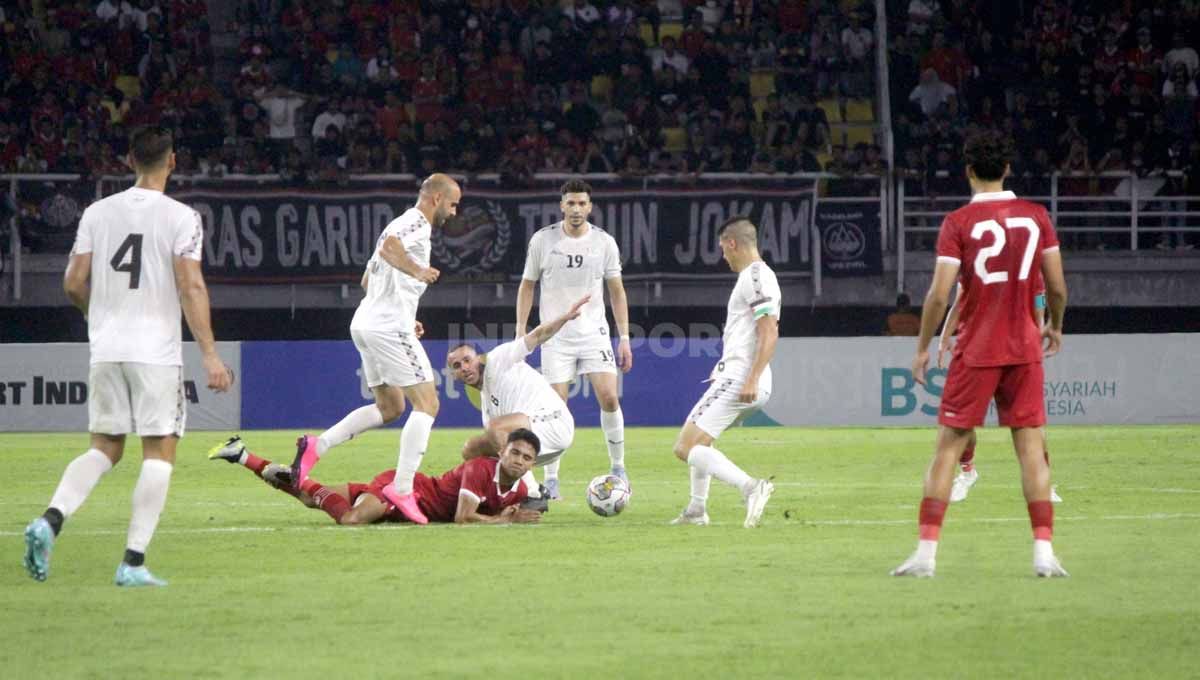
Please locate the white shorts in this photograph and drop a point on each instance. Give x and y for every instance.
(719, 408)
(391, 358)
(564, 364)
(556, 431)
(126, 397)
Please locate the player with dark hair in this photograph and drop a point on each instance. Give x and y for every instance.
(740, 382)
(387, 335)
(996, 243)
(570, 258)
(487, 490)
(147, 250)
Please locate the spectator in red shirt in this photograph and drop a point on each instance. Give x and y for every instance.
(950, 63)
(1145, 61)
(427, 94)
(390, 116)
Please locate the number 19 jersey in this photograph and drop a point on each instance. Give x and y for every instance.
(133, 308)
(998, 241)
(569, 268)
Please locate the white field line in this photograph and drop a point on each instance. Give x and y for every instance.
(1153, 517)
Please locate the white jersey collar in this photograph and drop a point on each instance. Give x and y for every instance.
(993, 196)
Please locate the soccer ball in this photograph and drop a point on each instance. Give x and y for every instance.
(607, 495)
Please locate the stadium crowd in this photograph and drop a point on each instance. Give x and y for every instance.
(326, 89)
(1081, 87)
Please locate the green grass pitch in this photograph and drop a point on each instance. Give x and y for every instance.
(262, 587)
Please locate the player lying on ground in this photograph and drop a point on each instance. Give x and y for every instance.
(991, 246)
(479, 491)
(968, 475)
(513, 395)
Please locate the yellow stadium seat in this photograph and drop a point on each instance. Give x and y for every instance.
(860, 111)
(832, 110)
(673, 29)
(646, 33)
(856, 134)
(602, 87)
(762, 83)
(129, 85)
(824, 158)
(760, 105)
(674, 139)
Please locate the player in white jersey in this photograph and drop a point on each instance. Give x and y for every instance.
(741, 380)
(386, 332)
(146, 251)
(513, 395)
(571, 258)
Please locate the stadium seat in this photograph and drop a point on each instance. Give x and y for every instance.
(674, 139)
(670, 28)
(760, 105)
(858, 133)
(860, 111)
(762, 83)
(823, 158)
(646, 33)
(602, 87)
(129, 85)
(833, 111)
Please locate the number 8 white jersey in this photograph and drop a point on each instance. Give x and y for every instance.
(133, 310)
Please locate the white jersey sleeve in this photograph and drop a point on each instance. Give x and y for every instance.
(761, 293)
(612, 259)
(189, 237)
(507, 355)
(533, 259)
(755, 295)
(392, 295)
(83, 237)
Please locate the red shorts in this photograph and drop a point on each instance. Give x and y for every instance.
(1017, 389)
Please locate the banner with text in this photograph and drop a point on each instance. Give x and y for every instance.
(1095, 380)
(851, 242)
(44, 388)
(288, 235)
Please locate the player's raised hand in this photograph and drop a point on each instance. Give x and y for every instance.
(920, 361)
(1051, 341)
(220, 376)
(428, 275)
(419, 330)
(624, 355)
(576, 309)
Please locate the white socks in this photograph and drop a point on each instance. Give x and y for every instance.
(149, 497)
(613, 425)
(414, 439)
(710, 461)
(78, 480)
(700, 483)
(551, 469)
(355, 423)
(926, 550)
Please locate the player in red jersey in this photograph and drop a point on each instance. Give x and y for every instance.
(968, 475)
(480, 491)
(992, 246)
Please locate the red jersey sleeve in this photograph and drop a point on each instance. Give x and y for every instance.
(949, 243)
(477, 475)
(1049, 236)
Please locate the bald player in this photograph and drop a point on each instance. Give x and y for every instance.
(385, 331)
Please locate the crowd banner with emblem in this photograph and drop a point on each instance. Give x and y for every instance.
(851, 239)
(288, 235)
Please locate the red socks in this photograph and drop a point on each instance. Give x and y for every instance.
(1041, 516)
(334, 505)
(930, 518)
(255, 463)
(967, 460)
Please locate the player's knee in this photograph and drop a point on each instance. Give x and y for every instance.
(608, 402)
(390, 412)
(682, 450)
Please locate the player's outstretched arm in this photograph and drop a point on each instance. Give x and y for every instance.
(547, 330)
(766, 336)
(620, 309)
(468, 513)
(193, 298)
(77, 281)
(393, 253)
(524, 305)
(1056, 300)
(936, 300)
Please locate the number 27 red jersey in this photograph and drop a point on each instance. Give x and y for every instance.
(998, 241)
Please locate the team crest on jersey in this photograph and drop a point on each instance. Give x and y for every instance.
(476, 241)
(844, 241)
(60, 211)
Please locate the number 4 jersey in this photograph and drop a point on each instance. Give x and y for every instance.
(998, 241)
(134, 311)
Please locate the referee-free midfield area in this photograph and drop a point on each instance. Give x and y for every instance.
(263, 587)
